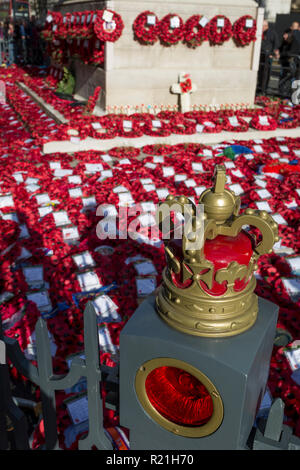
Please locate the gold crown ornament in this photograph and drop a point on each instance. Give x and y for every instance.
(208, 283)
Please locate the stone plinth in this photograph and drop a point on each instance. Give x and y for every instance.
(136, 74)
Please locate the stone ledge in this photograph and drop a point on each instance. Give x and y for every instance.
(206, 139)
(47, 108)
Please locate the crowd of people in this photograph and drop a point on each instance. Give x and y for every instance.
(285, 51)
(20, 42)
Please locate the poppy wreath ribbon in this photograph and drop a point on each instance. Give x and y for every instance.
(108, 31)
(195, 33)
(243, 33)
(219, 34)
(146, 30)
(171, 35)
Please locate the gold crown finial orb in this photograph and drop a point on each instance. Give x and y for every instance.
(219, 203)
(208, 289)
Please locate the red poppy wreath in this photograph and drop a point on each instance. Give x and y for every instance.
(108, 26)
(196, 31)
(145, 27)
(219, 30)
(244, 30)
(171, 29)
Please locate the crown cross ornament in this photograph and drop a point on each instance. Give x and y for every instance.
(208, 283)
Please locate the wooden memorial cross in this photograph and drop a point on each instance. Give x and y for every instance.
(184, 89)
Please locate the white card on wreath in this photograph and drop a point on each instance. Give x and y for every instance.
(162, 193)
(120, 189)
(229, 165)
(42, 199)
(105, 307)
(124, 161)
(174, 22)
(84, 260)
(106, 174)
(263, 206)
(11, 216)
(145, 286)
(238, 173)
(199, 190)
(75, 179)
(106, 158)
(148, 206)
(6, 201)
(197, 167)
(75, 192)
(61, 218)
(93, 167)
(190, 183)
(294, 265)
(45, 210)
(279, 219)
(150, 165)
(18, 177)
(263, 193)
(151, 20)
(258, 148)
(168, 171)
(34, 274)
(237, 189)
(70, 233)
(145, 268)
(78, 410)
(293, 356)
(249, 23)
(179, 178)
(291, 205)
(199, 128)
(158, 159)
(284, 148)
(107, 16)
(146, 180)
(31, 188)
(107, 210)
(60, 172)
(203, 21)
(88, 281)
(156, 123)
(126, 198)
(149, 187)
(292, 287)
(54, 165)
(146, 220)
(127, 124)
(263, 120)
(220, 23)
(105, 342)
(96, 125)
(89, 201)
(209, 124)
(260, 182)
(41, 299)
(233, 121)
